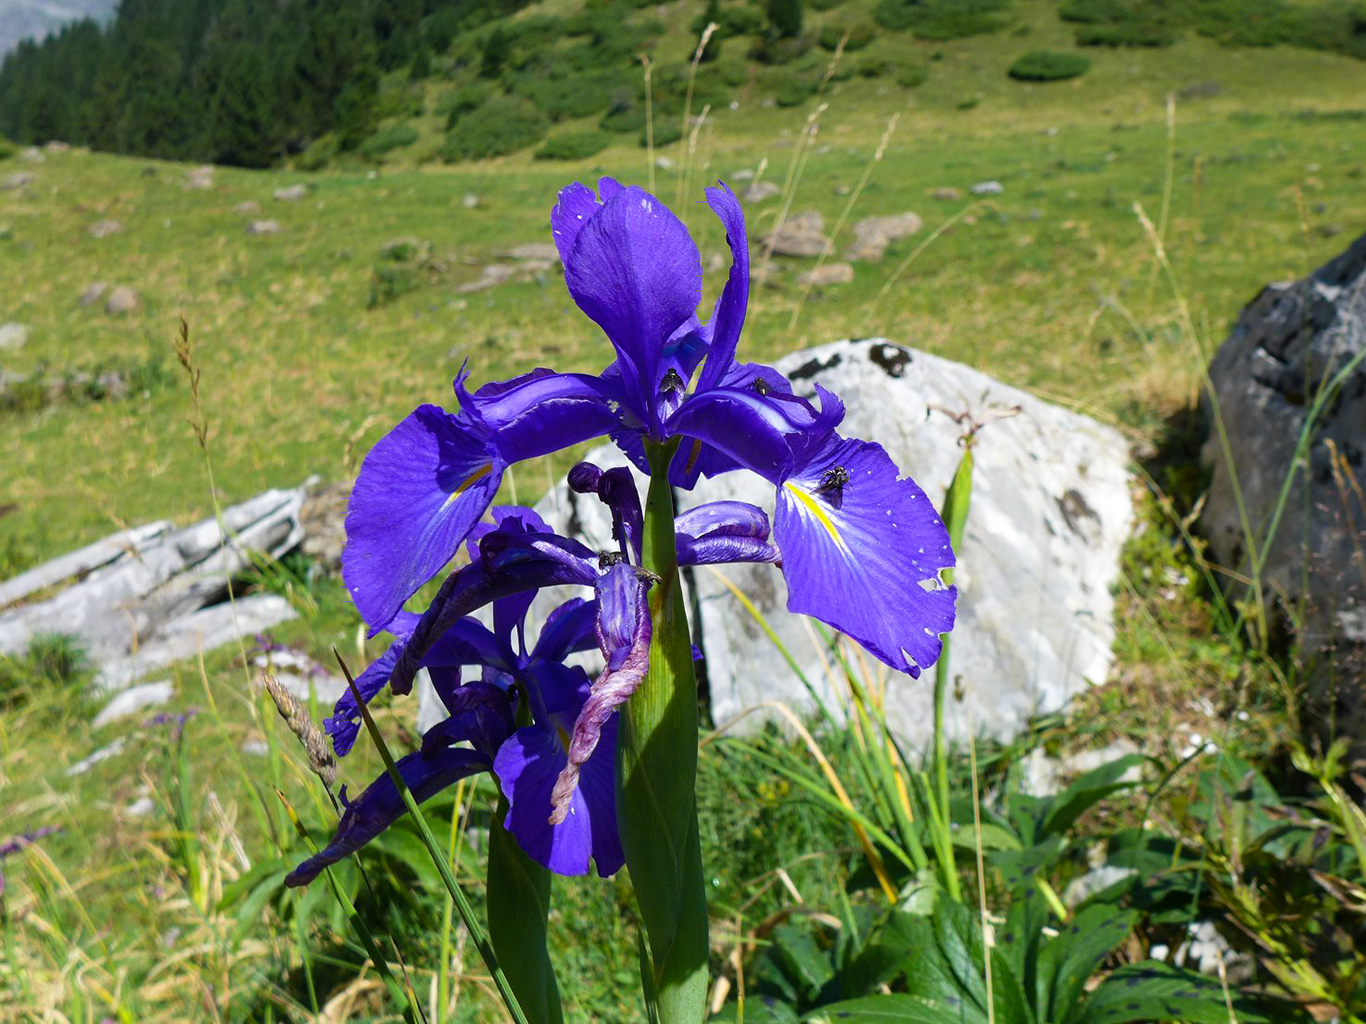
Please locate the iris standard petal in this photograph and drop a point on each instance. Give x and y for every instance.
(862, 549)
(381, 805)
(729, 315)
(420, 490)
(575, 207)
(541, 411)
(636, 272)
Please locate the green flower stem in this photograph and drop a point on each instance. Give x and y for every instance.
(656, 779)
(518, 907)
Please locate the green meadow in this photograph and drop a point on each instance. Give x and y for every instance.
(1248, 165)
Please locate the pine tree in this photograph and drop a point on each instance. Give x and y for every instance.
(785, 17)
(711, 16)
(497, 50)
(422, 63)
(243, 120)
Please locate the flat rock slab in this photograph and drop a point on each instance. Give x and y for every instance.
(800, 235)
(1051, 508)
(133, 700)
(189, 635)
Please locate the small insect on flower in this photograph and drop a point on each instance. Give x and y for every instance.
(672, 383)
(832, 485)
(762, 386)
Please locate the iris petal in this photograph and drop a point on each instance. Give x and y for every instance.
(729, 315)
(575, 207)
(420, 490)
(381, 805)
(636, 272)
(541, 411)
(528, 765)
(862, 549)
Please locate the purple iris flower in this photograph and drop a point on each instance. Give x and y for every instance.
(556, 773)
(861, 548)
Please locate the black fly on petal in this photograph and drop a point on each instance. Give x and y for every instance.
(832, 485)
(672, 383)
(762, 386)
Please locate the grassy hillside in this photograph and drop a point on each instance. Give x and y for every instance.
(297, 362)
(312, 342)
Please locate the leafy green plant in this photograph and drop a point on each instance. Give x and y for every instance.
(913, 76)
(860, 34)
(573, 146)
(52, 662)
(942, 972)
(503, 125)
(1049, 66)
(941, 19)
(458, 102)
(388, 139)
(1284, 879)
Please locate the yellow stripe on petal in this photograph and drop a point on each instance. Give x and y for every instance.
(467, 483)
(814, 507)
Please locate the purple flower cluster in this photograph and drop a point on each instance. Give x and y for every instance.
(859, 546)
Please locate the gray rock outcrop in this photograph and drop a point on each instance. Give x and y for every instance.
(831, 273)
(801, 235)
(122, 299)
(150, 596)
(872, 235)
(13, 336)
(1297, 356)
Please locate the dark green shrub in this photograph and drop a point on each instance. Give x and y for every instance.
(793, 90)
(625, 114)
(461, 100)
(503, 125)
(941, 19)
(1129, 34)
(422, 64)
(861, 33)
(562, 99)
(7, 150)
(741, 21)
(388, 139)
(913, 76)
(573, 146)
(824, 5)
(667, 131)
(773, 50)
(495, 53)
(874, 67)
(319, 154)
(733, 73)
(785, 17)
(1048, 66)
